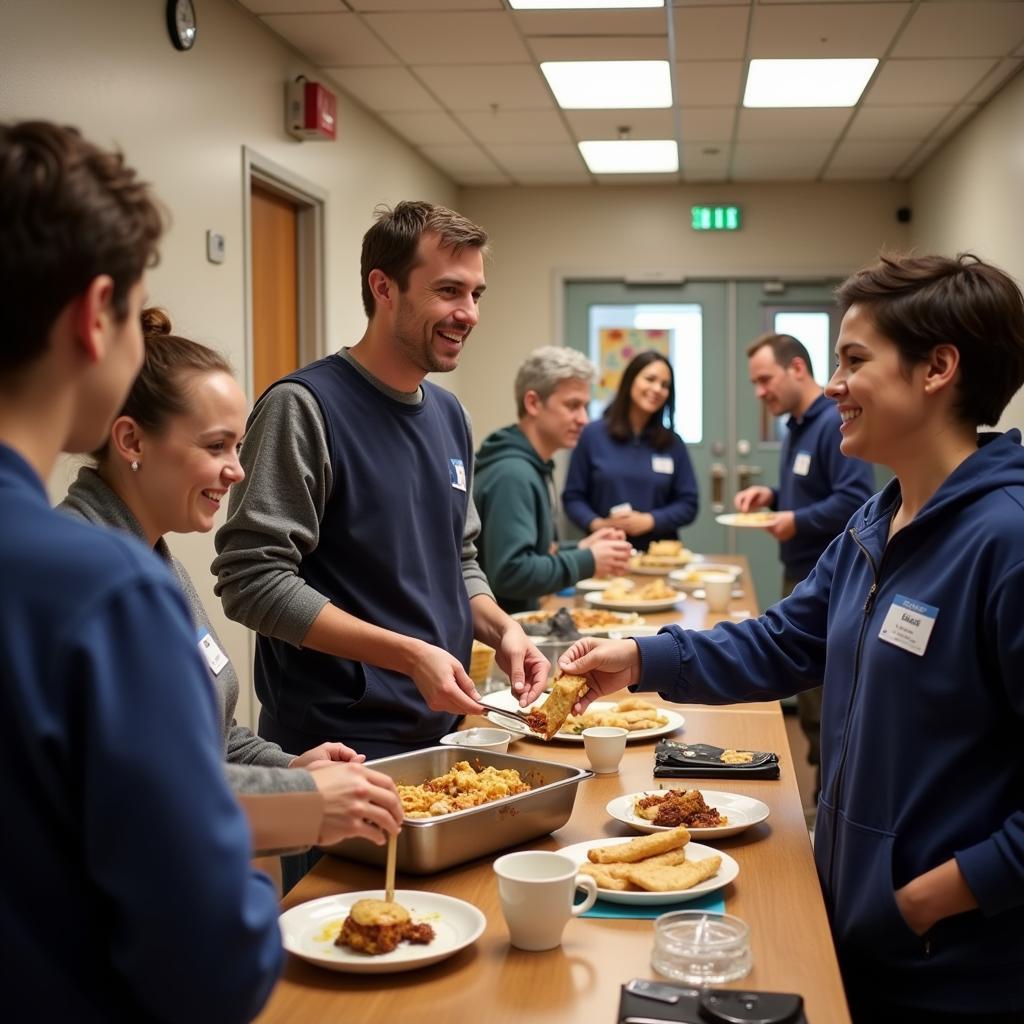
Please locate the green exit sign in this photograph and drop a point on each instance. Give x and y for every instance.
(715, 218)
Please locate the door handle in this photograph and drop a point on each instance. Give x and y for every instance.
(744, 474)
(718, 474)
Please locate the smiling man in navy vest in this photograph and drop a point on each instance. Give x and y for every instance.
(350, 546)
(819, 487)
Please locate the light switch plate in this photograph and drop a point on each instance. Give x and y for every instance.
(216, 247)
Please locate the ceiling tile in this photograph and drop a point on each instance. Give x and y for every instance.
(858, 159)
(336, 40)
(469, 38)
(461, 159)
(511, 126)
(384, 89)
(825, 30)
(994, 80)
(427, 129)
(705, 161)
(899, 82)
(422, 5)
(592, 23)
(293, 6)
(778, 161)
(960, 116)
(765, 125)
(711, 33)
(605, 124)
(518, 160)
(484, 86)
(979, 28)
(600, 48)
(709, 82)
(701, 123)
(879, 123)
(920, 156)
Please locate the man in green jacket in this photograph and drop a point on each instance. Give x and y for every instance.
(515, 494)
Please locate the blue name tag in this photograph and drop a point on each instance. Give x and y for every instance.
(457, 474)
(908, 624)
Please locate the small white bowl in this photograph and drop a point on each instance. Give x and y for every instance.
(479, 739)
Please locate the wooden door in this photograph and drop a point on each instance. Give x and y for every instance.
(275, 317)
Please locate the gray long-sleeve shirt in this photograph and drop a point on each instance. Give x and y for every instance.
(274, 515)
(254, 765)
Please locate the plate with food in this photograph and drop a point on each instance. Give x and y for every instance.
(604, 582)
(653, 869)
(692, 576)
(654, 597)
(756, 519)
(586, 621)
(706, 813)
(641, 719)
(362, 933)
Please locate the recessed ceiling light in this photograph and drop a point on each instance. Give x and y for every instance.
(807, 83)
(632, 156)
(606, 84)
(578, 5)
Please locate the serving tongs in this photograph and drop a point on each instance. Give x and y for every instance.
(519, 714)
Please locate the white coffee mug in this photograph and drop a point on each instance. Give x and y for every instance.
(718, 591)
(605, 745)
(537, 889)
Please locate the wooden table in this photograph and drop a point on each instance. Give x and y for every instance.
(776, 893)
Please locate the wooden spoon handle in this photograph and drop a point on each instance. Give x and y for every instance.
(389, 883)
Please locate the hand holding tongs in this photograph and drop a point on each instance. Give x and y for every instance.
(519, 714)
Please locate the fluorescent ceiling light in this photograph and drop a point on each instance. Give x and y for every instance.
(607, 84)
(579, 5)
(631, 156)
(807, 83)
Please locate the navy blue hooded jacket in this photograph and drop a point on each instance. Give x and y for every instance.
(922, 757)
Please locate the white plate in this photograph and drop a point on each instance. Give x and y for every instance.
(700, 595)
(621, 619)
(682, 579)
(727, 871)
(598, 600)
(742, 812)
(309, 931)
(740, 519)
(603, 582)
(504, 699)
(656, 570)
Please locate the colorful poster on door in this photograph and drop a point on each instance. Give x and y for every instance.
(616, 347)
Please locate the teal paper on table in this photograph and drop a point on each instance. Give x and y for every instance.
(713, 902)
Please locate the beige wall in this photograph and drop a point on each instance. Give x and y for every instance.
(108, 67)
(968, 196)
(540, 232)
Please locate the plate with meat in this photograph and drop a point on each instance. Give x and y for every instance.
(361, 933)
(706, 813)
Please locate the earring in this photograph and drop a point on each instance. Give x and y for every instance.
(134, 466)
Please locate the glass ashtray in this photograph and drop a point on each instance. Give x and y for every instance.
(700, 947)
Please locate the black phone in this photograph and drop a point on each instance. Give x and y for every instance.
(656, 1002)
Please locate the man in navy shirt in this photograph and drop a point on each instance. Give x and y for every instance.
(128, 894)
(819, 488)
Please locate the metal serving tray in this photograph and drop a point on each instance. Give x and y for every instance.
(427, 845)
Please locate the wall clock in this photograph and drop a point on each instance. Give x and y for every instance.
(181, 23)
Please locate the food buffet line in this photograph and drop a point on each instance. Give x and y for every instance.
(766, 866)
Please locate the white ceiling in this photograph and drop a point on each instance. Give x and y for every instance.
(459, 80)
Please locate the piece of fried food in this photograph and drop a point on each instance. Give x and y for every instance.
(621, 870)
(635, 704)
(640, 848)
(664, 547)
(737, 757)
(669, 878)
(375, 927)
(617, 594)
(601, 873)
(461, 787)
(678, 807)
(551, 715)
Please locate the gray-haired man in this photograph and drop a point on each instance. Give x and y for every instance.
(515, 493)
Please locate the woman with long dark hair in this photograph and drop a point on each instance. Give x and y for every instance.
(633, 457)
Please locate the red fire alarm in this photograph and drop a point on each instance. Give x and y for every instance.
(312, 111)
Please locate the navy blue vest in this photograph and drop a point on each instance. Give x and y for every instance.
(390, 552)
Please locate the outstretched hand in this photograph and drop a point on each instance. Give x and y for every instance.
(526, 668)
(607, 665)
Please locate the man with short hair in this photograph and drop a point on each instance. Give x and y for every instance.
(819, 488)
(349, 547)
(515, 492)
(128, 894)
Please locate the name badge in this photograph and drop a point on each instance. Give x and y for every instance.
(802, 464)
(216, 659)
(908, 624)
(457, 473)
(663, 464)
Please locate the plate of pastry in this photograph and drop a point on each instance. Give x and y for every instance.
(706, 813)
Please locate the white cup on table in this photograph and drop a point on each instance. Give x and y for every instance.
(718, 591)
(605, 745)
(537, 890)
